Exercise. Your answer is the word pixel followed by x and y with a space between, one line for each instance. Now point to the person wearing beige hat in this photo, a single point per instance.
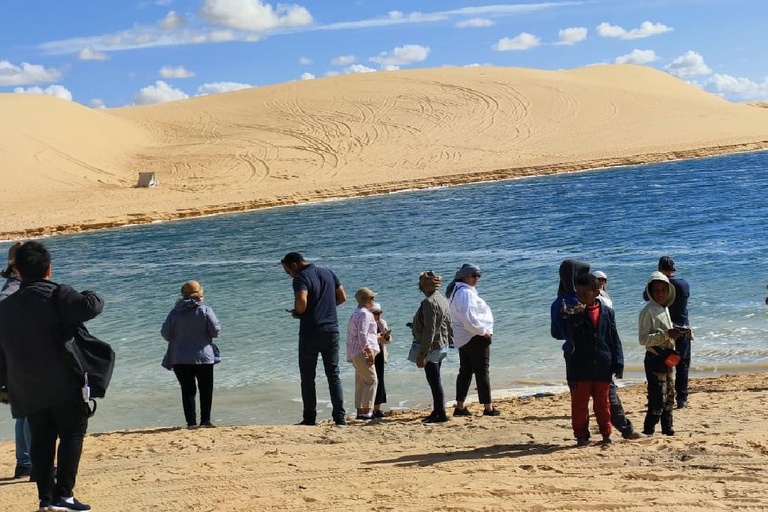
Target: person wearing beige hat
pixel 22 432
pixel 362 347
pixel 189 330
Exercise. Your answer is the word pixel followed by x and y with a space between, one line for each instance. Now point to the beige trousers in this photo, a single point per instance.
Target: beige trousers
pixel 365 382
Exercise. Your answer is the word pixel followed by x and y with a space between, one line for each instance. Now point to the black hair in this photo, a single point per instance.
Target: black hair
pixel 291 258
pixel 7 272
pixel 32 261
pixel 588 280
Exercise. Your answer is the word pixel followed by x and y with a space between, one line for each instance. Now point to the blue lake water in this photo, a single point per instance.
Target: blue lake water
pixel 710 214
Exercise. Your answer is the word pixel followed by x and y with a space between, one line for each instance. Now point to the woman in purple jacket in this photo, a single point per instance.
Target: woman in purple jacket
pixel 189 330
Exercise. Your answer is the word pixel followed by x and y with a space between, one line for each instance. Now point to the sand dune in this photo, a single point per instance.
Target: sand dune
pixel 73 168
pixel 522 460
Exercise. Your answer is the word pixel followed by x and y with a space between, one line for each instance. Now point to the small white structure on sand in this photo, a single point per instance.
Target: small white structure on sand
pixel 147 180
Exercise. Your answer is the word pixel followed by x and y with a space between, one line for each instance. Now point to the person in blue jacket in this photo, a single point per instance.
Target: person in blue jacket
pixel 189 330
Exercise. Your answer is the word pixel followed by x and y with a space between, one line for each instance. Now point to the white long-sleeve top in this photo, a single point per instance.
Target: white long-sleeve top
pixel 470 315
pixel 361 333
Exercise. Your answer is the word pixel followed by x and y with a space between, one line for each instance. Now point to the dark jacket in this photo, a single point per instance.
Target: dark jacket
pixel 189 330
pixel 32 363
pixel 566 292
pixel 10 287
pixel 597 353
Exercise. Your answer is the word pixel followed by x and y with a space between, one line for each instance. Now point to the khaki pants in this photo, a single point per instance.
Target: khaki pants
pixel 365 382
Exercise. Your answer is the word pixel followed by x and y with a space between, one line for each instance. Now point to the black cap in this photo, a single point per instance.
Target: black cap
pixel 666 263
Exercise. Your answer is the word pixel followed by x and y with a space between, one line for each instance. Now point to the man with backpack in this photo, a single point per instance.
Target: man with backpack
pixel 37 377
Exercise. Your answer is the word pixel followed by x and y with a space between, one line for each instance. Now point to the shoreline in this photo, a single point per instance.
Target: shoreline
pixel 383 188
pixel 525 459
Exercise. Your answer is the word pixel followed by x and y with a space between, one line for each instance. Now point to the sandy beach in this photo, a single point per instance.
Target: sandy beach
pixel 68 168
pixel 523 460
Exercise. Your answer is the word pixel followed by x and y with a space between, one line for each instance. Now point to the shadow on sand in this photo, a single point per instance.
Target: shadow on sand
pixel 488 452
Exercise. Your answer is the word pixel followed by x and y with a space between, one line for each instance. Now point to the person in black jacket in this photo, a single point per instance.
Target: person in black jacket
pixel 36 377
pixel 597 356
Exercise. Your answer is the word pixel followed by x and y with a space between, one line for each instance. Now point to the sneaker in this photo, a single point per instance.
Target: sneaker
pixel 461 412
pixel 633 435
pixel 22 471
pixel 378 414
pixel 307 423
pixel 607 440
pixel 436 418
pixel 45 505
pixel 68 505
pixel 682 405
pixel 207 424
pixel 582 441
pixel 342 423
pixel 492 412
pixel 365 417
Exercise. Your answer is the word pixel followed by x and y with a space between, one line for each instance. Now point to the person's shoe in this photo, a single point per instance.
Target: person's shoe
pixel 582 441
pixel 461 412
pixel 68 505
pixel 307 423
pixel 207 424
pixel 633 435
pixel 492 412
pixel 436 418
pixel 607 440
pixel 682 405
pixel 342 423
pixel 191 426
pixel 365 417
pixel 22 471
pixel 45 506
pixel 378 414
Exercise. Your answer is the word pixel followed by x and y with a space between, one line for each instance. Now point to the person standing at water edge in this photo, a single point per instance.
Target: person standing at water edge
pixel 362 348
pixel 678 310
pixel 34 322
pixel 602 278
pixel 317 293
pixel 431 327
pixel 384 334
pixel 657 335
pixel 597 357
pixel 189 330
pixel 23 434
pixel 472 324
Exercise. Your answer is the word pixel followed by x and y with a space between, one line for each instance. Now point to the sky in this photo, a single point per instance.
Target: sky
pixel 119 53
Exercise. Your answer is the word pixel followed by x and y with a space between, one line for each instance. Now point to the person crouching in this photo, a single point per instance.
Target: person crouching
pixel 597 356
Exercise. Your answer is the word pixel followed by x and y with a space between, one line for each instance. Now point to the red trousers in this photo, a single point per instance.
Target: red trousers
pixel 580 393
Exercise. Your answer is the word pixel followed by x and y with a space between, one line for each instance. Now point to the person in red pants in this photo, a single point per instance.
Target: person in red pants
pixel 597 357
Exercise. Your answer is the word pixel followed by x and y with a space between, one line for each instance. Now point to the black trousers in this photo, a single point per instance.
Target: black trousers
pixel 474 358
pixel 66 422
pixel 683 347
pixel 381 391
pixel 186 375
pixel 618 416
pixel 326 345
pixel 432 370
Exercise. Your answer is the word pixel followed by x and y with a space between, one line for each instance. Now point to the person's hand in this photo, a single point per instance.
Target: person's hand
pixel 371 357
pixel 674 333
pixel 421 361
pixel 293 313
pixel 487 335
pixel 619 375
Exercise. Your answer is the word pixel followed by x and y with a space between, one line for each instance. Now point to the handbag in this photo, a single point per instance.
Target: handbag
pixel 670 357
pixel 413 354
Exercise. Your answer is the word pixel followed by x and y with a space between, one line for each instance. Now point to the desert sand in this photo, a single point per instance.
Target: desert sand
pixel 68 168
pixel 522 460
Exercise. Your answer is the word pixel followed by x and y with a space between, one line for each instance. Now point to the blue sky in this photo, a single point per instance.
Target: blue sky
pixel 123 52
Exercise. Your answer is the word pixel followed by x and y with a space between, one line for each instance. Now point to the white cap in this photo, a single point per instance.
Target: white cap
pixel 376 308
pixel 600 274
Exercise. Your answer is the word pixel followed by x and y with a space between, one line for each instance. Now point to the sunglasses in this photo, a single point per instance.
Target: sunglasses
pixel 476 275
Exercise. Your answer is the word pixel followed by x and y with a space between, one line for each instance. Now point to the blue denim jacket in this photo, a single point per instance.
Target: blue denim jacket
pixel 189 330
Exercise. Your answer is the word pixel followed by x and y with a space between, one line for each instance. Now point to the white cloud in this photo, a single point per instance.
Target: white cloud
pixel 163 2
pixel 395 15
pixel 401 56
pixel 57 91
pixel 358 68
pixel 158 93
pixel 254 15
pixel 97 103
pixel 89 53
pixel 343 60
pixel 176 72
pixel 307 76
pixel 26 74
pixel 220 36
pixel 738 87
pixel 172 21
pixel 646 29
pixel 304 61
pixel 218 87
pixel 688 64
pixel 572 35
pixel 524 41
pixel 475 23
pixel 637 57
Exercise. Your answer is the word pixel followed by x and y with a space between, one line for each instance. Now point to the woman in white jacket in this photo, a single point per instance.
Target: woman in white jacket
pixel 472 324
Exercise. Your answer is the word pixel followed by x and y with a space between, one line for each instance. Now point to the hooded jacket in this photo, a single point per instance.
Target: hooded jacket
pixel 32 336
pixel 597 352
pixel 655 321
pixel 569 271
pixel 10 287
pixel 189 330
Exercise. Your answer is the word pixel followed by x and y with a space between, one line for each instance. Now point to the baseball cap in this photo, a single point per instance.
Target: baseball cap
pixel 600 274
